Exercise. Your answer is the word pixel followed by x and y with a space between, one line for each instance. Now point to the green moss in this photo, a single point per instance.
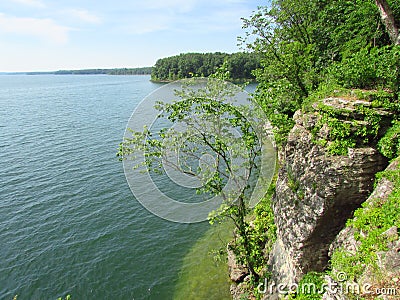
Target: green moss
pixel 344 131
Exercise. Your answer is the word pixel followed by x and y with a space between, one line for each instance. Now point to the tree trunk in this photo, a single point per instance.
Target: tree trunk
pixel 244 235
pixel 389 21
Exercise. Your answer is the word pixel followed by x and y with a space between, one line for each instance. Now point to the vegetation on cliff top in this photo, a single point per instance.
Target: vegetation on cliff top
pixel 312 45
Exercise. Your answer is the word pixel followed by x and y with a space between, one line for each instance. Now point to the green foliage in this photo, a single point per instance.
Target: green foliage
pixel 353 25
pixel 264 225
pixel 340 134
pixel 389 145
pixel 242 64
pixel 309 287
pixel 276 99
pixel 68 297
pixel 356 71
pixel 344 131
pixel 239 65
pixel 369 68
pixel 370 222
pixel 261 232
pixel 309 44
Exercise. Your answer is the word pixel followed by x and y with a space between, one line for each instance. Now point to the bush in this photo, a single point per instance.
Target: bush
pixel 389 145
pixel 310 287
pixel 369 68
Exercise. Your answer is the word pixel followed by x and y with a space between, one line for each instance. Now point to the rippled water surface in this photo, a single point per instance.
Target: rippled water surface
pixel 68 221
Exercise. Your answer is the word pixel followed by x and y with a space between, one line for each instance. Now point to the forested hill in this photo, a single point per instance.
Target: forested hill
pixel 240 65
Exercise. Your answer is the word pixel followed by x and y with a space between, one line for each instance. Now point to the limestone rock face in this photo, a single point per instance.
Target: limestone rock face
pixel 382 191
pixel 315 194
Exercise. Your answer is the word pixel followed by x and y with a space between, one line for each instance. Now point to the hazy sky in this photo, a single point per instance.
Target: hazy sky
pixel 44 35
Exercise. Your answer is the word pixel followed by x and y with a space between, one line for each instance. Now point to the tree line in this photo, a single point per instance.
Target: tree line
pixel 240 65
pixel 115 71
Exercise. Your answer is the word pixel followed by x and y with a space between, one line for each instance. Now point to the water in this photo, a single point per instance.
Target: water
pixel 69 223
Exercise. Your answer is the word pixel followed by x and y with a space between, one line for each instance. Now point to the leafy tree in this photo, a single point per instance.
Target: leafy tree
pixel 211 123
pixel 306 44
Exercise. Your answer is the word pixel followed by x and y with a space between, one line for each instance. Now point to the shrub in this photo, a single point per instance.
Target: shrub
pixel 369 68
pixel 389 145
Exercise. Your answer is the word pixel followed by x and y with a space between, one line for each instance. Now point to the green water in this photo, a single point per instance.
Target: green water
pixel 203 276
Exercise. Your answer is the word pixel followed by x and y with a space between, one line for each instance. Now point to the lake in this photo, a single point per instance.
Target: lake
pixel 69 222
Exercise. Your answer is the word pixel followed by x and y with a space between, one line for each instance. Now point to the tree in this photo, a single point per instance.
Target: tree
pixel 388 19
pixel 224 146
pixel 283 37
pixel 303 43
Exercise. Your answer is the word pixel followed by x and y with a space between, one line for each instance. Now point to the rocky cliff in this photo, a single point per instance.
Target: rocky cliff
pixel 316 191
pixel 327 170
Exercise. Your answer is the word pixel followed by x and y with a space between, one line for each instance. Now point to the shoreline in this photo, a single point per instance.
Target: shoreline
pixel 236 81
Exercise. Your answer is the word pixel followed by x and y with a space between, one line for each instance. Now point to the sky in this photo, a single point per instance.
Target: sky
pixel 50 35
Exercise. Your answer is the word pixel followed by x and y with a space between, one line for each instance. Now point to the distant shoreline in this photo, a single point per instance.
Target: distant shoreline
pixel 115 71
